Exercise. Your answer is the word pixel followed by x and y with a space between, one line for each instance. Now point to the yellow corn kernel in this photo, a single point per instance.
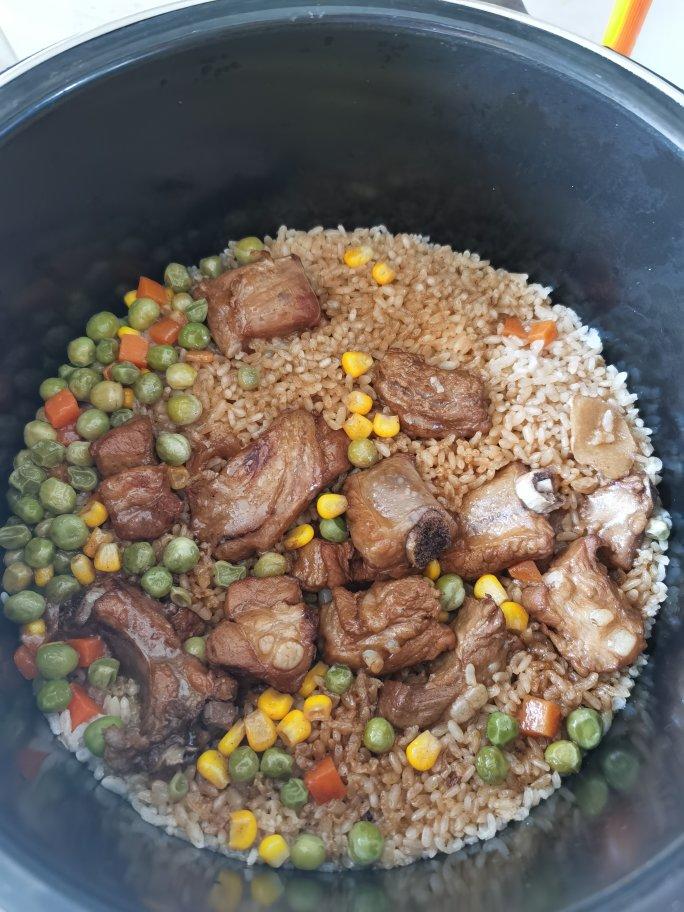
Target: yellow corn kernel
pixel 34 629
pixel 356 363
pixel 433 571
pixel 94 514
pixel 107 558
pixel 299 536
pixel 383 273
pixel 386 425
pixel 260 730
pixel 331 505
pixel 274 850
pixel 423 751
pixel 129 397
pixel 488 585
pixel 357 256
pixel 83 570
pixel 276 705
pixel 359 403
pixel 96 538
pixel 312 678
pixel 294 728
pixel 317 707
pixel 357 427
pixel 232 738
pixel 243 830
pixel 43 575
pixel 130 297
pixel 127 331
pixel 212 766
pixel 515 615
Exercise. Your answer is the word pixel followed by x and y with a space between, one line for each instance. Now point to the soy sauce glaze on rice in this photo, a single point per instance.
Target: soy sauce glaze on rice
pixel 336 550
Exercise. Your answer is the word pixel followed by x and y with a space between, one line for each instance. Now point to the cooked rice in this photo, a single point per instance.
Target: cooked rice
pixel 448 308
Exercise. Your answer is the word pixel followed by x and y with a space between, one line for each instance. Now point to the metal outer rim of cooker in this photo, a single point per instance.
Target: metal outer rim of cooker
pixel 652 884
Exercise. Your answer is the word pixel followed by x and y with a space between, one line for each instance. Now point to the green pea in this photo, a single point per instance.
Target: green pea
pixel 194 336
pixel 102 673
pixel 29 509
pixel 148 388
pixel 248 377
pixel 491 765
pixel 294 794
pixel 106 351
pixel 159 357
pixel 12 556
pixel 15 536
pixel 365 842
pixel 68 531
pixel 81 351
pixel 40 414
pixel 92 423
pixel 451 591
pixel 56 660
pixel 225 574
pixel 333 530
pixel 157 582
pixel 276 763
pixel 177 277
pixel 60 588
pixel 378 735
pixel 619 765
pixel 181 597
pixel 107 396
pixel 23 457
pixel 178 787
pixel 17 577
pixel 82 479
pixel 247 249
pixel 502 728
pixel 53 696
pixel 65 371
pixel 338 679
pixel 50 387
pixel 181 302
pixel 196 646
pixel 307 852
pixel 101 326
pixel 27 479
pixel 57 496
pixel 39 553
pixel 48 453
pixel 197 311
pixel 138 557
pixel 173 449
pixel 125 372
pixel 93 736
pixel 180 555
pixel 270 564
pixel 62 560
pixel 183 408
pixel 24 607
pixel 181 376
pixel 38 430
pixel 362 453
pixel 563 757
pixel 585 727
pixel 243 764
pixel 591 795
pixel 82 381
pixel 211 266
pixel 143 313
pixel 120 416
pixel 12 497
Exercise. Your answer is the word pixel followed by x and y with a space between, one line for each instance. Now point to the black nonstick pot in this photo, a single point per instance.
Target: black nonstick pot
pixel 162 139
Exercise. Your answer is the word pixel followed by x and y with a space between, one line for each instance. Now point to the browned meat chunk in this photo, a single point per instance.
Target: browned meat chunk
pixel 618 514
pixel 481 640
pixel 270 632
pixel 587 618
pixel 600 437
pixel 394 521
pixel 219 445
pixel 249 503
pixel 184 621
pixel 431 402
pixel 324 565
pixel 174 686
pixel 391 626
pixel 265 299
pixel 496 529
pixel 124 447
pixel 218 716
pixel 140 502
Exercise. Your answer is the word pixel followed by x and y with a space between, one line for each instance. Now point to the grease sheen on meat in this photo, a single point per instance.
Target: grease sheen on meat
pixel 124 447
pixel 323 564
pixel 618 514
pixel 390 626
pixel 262 300
pixel 256 496
pixel 269 633
pixel 430 401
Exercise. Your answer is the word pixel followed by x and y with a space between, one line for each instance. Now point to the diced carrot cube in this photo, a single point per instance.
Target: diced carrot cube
pixel 526 572
pixel 513 327
pixel 539 718
pixel 134 349
pixel 88 649
pixel 62 409
pixel 165 332
pixel 81 708
pixel 148 288
pixel 546 330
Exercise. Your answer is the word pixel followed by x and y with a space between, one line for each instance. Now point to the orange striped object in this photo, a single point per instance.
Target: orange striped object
pixel 625 23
